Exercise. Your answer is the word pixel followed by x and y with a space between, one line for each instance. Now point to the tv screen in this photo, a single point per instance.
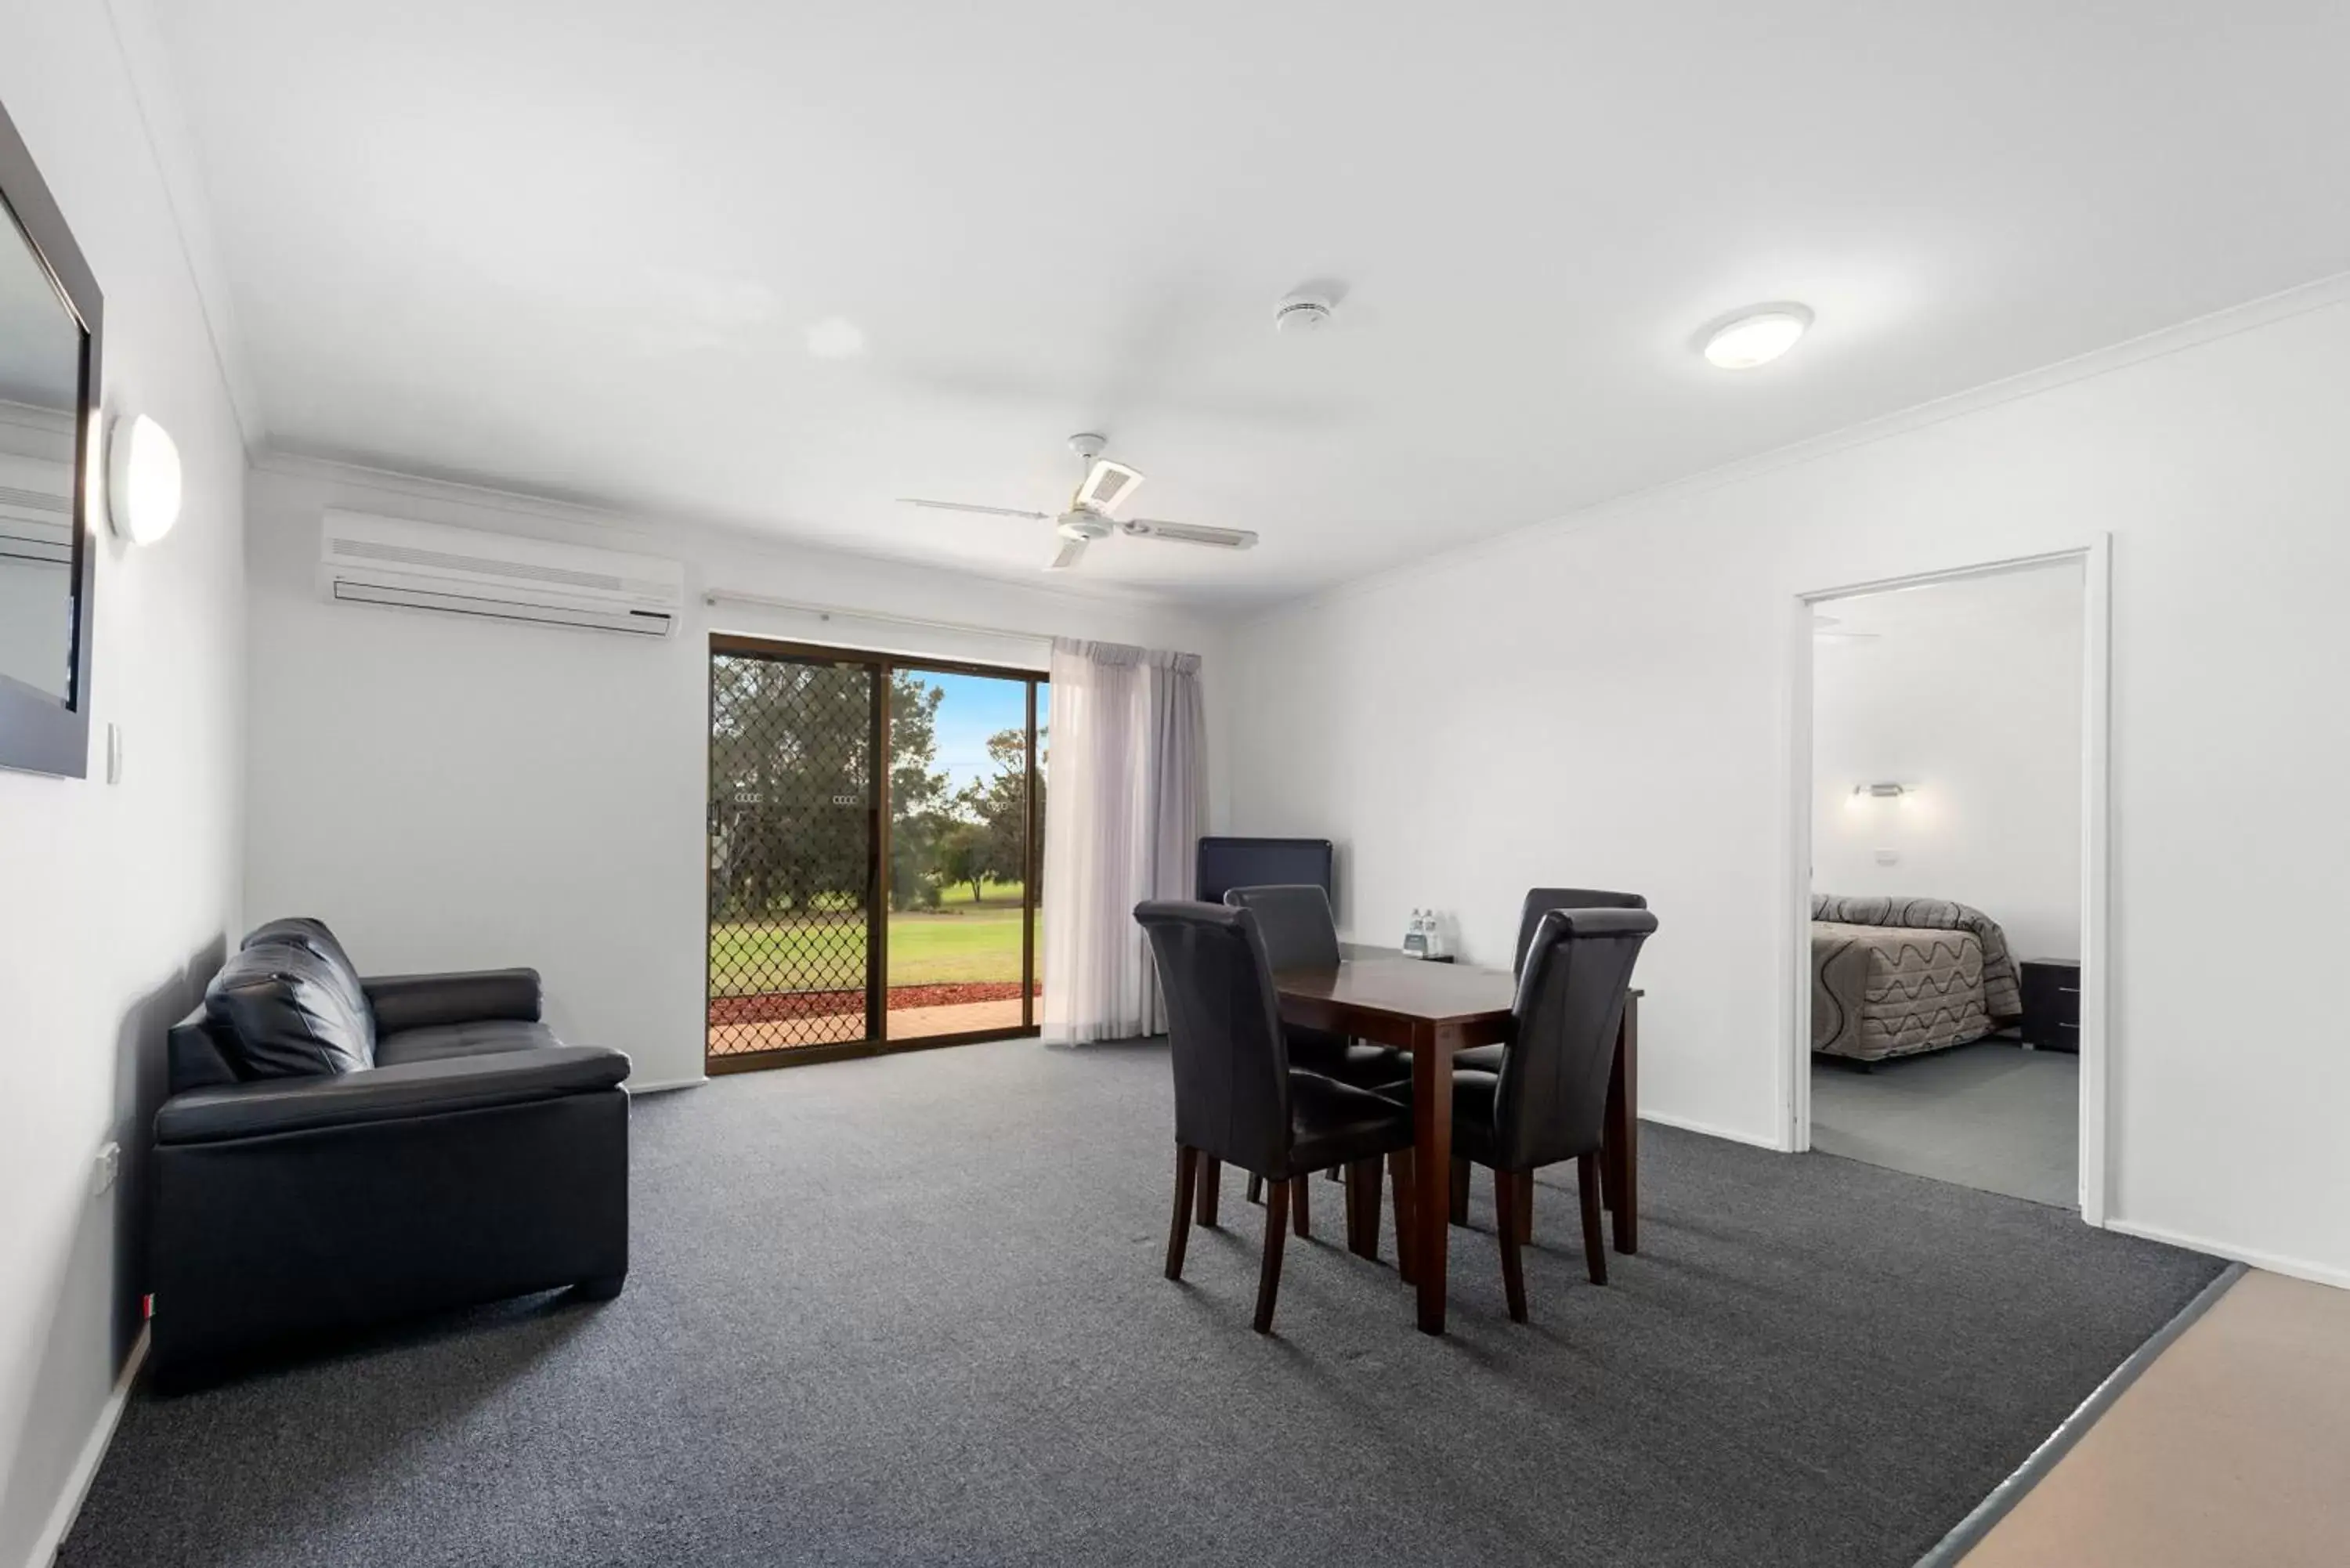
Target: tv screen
pixel 1227 863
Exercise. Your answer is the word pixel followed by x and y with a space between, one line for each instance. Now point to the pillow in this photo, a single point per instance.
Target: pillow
pixel 286 1014
pixel 312 936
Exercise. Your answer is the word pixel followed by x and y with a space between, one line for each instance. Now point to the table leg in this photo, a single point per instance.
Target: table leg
pixel 1431 1115
pixel 1619 1164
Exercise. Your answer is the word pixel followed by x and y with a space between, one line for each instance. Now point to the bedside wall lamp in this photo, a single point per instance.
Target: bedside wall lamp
pixel 1882 791
pixel 142 479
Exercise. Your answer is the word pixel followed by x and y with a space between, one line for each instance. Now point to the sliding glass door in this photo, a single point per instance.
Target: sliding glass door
pixel 855 909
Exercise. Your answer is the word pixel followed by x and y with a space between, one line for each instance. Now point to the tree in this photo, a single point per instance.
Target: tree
pixel 998 808
pixel 918 808
pixel 960 855
pixel 786 758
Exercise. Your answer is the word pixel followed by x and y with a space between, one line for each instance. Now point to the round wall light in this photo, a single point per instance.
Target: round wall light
pixel 1755 336
pixel 142 479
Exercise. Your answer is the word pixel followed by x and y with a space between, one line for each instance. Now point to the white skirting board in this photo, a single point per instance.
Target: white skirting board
pixel 2315 1274
pixel 93 1454
pixel 663 1086
pixel 1688 1124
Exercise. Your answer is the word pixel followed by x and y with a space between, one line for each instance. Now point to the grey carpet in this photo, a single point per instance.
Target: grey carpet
pixel 910 1310
pixel 1990 1114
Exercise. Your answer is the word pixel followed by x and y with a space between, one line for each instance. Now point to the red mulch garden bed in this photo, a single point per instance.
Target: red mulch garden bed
pixel 777 1006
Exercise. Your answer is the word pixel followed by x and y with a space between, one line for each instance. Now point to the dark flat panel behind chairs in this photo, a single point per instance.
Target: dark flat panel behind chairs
pixel 1238 1100
pixel 1224 863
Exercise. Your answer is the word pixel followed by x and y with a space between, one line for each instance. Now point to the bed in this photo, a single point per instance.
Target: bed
pixel 1896 977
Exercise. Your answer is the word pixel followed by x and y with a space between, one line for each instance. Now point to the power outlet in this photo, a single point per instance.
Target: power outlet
pixel 1888 857
pixel 107 1165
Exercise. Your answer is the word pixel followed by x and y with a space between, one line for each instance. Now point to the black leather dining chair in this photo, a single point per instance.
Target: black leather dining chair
pixel 1237 1098
pixel 1301 932
pixel 1541 901
pixel 1549 1101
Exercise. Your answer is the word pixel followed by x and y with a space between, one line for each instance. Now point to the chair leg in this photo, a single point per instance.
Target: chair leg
pixel 1212 1186
pixel 1299 1210
pixel 1586 1187
pixel 1363 1209
pixel 1256 1187
pixel 1525 1212
pixel 1187 1175
pixel 1276 1226
pixel 1402 1175
pixel 1507 1195
pixel 1459 1191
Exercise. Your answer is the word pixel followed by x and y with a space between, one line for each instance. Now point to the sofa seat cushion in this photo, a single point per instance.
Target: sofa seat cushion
pixel 444 1087
pixel 285 1011
pixel 437 1041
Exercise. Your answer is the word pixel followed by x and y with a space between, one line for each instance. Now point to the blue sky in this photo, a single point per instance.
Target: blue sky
pixel 975 707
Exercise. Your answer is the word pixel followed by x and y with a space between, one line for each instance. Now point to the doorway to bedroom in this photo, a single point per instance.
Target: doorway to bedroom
pixel 1949 889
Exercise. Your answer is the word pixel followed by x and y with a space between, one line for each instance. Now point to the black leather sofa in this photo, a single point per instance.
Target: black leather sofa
pixel 337 1152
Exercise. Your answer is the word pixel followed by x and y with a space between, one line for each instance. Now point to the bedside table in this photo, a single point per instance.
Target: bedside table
pixel 2051 1003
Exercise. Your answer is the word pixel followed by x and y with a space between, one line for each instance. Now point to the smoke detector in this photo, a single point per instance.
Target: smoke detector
pixel 1301 313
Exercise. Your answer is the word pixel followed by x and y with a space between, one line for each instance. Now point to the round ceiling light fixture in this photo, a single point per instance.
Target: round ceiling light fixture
pixel 142 479
pixel 1755 336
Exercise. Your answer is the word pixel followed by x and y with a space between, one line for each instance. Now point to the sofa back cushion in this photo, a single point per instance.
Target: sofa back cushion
pixel 285 1012
pixel 312 937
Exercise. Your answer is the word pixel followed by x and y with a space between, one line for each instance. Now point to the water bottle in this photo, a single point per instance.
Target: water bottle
pixel 1437 946
pixel 1415 936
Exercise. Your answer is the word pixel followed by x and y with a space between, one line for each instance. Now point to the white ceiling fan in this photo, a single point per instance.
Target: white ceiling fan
pixel 1092 511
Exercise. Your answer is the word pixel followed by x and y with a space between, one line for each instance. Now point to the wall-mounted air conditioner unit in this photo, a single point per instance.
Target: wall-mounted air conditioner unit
pixel 36 511
pixel 464 571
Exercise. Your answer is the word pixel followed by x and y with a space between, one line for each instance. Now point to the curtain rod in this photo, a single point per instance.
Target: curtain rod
pixel 829 612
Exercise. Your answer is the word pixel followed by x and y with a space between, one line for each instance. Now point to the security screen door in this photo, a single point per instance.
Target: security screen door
pixel 855 907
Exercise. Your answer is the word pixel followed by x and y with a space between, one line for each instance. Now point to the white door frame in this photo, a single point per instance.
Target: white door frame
pixel 2096 715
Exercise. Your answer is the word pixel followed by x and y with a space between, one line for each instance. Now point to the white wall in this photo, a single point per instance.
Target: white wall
pixel 114 901
pixel 455 793
pixel 1608 702
pixel 1967 694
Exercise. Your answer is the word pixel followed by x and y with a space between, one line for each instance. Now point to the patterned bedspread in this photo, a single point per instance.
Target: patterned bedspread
pixel 1892 976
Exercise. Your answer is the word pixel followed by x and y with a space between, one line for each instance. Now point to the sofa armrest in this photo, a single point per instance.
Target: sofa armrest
pixel 424 1000
pixel 437 1087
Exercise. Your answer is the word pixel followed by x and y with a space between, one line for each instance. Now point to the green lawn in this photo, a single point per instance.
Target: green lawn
pixel 959 941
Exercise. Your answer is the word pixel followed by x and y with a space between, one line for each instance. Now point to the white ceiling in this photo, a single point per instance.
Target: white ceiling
pixel 576 246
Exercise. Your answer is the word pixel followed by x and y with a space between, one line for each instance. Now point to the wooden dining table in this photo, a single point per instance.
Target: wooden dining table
pixel 1435 1010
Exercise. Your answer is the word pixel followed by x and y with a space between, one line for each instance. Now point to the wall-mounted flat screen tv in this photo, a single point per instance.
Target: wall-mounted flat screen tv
pixel 1263 862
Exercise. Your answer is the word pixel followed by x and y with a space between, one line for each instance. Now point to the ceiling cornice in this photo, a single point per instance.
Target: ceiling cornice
pixel 172 146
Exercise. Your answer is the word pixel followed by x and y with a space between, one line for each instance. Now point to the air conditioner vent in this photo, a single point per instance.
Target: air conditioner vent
pixel 465 571
pixel 36 501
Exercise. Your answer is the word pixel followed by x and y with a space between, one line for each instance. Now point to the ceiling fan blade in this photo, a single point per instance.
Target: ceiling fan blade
pixel 1189 533
pixel 1072 552
pixel 1107 484
pixel 967 506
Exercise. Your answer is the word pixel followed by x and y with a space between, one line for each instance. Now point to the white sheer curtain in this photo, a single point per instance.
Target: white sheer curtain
pixel 1122 824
